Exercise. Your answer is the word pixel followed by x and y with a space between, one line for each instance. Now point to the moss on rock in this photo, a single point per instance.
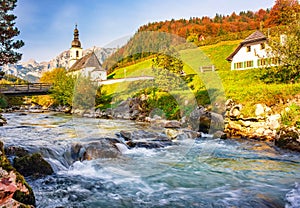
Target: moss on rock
pixel 33 165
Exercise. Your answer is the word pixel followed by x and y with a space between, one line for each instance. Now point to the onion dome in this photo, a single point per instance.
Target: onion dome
pixel 76 43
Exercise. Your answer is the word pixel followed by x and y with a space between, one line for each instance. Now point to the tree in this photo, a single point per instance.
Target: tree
pixel 283 12
pixel 7 32
pixel 167 68
pixel 62 90
pixel 286 50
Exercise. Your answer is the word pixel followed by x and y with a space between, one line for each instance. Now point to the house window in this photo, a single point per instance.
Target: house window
pixel 77 54
pixel 261 62
pixel 238 65
pixel 248 49
pixel 262 46
pixel 274 61
pixel 248 64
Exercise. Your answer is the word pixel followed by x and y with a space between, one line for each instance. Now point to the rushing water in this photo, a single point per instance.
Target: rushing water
pixel 192 173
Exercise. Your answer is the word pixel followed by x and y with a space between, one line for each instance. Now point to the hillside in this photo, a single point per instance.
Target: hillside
pixel 244 87
pixel 153 37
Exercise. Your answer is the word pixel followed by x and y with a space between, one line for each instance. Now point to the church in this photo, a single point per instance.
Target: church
pixel 87 65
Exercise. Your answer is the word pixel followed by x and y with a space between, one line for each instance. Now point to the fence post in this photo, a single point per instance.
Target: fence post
pixel 201 69
pixel 213 67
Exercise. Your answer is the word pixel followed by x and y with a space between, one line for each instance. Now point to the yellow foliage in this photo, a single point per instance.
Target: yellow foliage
pixel 50 76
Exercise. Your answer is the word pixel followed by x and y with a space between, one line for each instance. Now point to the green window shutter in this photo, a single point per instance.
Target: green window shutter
pixel 234 65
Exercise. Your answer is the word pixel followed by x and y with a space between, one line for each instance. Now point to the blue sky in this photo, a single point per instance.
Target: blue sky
pixel 47 25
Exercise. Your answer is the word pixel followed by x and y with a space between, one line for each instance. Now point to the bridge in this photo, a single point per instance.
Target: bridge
pixel 25 89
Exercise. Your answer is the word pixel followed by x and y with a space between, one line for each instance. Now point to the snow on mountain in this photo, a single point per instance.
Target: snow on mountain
pixel 32 70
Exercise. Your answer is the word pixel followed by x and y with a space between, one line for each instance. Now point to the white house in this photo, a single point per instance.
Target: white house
pixel 87 65
pixel 253 52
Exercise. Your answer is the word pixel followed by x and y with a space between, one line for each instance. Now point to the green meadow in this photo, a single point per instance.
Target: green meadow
pixel 244 87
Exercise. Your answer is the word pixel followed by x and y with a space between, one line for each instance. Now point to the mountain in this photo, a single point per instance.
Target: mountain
pixel 32 70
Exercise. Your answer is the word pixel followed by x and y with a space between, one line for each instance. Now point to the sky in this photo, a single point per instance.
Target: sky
pixel 47 26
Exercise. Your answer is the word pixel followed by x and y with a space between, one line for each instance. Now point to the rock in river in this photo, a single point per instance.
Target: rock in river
pixel 14 190
pixel 33 165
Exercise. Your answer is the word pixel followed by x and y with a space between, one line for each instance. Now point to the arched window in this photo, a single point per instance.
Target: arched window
pixel 77 54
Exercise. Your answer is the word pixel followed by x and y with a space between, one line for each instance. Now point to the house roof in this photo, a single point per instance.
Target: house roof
pixel 254 38
pixel 89 60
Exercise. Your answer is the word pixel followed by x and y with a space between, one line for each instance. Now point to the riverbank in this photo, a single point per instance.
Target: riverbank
pixel 265 125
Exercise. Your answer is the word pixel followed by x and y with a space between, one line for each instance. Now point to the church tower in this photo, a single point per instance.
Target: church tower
pixel 76 50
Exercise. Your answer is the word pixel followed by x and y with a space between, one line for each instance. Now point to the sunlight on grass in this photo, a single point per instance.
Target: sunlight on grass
pixel 244 87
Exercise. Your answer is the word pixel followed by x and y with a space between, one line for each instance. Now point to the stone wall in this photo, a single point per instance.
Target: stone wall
pixel 263 126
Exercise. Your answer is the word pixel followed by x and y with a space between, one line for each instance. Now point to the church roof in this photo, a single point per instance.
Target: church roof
pixel 255 38
pixel 88 61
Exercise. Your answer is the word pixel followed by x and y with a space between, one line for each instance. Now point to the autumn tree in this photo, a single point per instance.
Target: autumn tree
pixel 283 12
pixel 63 85
pixel 8 31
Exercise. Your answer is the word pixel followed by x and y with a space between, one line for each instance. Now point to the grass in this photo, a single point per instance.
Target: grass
pixel 133 70
pixel 244 87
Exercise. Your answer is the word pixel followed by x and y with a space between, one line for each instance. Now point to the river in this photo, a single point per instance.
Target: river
pixel 193 173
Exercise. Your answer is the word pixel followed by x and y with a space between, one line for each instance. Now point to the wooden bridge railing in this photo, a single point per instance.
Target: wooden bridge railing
pixel 30 88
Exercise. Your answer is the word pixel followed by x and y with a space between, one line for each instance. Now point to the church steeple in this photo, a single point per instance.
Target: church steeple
pixel 76 43
pixel 76 50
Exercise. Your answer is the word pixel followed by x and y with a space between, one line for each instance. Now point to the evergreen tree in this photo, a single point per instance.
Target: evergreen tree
pixel 7 33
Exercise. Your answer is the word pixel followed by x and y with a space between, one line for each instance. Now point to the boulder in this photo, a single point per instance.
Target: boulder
pixel 15 192
pixel 194 120
pixel 172 124
pixel 204 121
pixel 102 148
pixel 235 111
pixel 33 165
pixel 172 133
pixel 126 135
pixel 288 138
pixel 150 140
pixel 14 204
pixel 219 135
pixel 273 121
pixel 145 144
pixel 2 120
pixel 16 151
pixel 259 110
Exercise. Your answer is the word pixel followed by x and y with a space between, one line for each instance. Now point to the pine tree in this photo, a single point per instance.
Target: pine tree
pixel 8 31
